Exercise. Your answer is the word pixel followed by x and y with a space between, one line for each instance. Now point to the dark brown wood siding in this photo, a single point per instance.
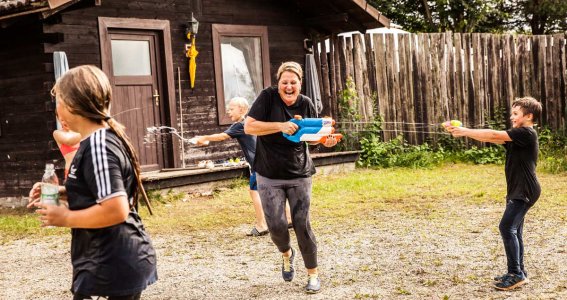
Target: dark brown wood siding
pixel 198 106
pixel 26 110
pixel 26 75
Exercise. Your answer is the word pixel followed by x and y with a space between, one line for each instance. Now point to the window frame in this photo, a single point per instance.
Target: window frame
pixel 224 30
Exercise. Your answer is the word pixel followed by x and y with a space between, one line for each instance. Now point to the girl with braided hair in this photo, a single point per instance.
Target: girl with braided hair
pixel 111 253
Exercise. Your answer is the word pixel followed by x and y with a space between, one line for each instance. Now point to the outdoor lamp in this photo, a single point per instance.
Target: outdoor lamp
pixel 192 27
pixel 190 49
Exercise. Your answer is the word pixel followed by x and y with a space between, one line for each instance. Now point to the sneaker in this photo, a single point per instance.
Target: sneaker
pixel 511 282
pixel 313 284
pixel 288 271
pixel 504 276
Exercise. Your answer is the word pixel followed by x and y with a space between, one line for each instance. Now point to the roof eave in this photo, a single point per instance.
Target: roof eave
pixel 373 12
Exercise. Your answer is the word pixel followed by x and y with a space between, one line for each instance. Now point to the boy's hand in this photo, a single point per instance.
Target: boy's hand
pixel 457 131
pixel 201 141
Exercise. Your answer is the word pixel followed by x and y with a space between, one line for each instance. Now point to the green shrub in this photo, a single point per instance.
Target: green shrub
pixel 396 153
pixel 352 125
pixel 553 151
pixel 487 155
pixel 399 153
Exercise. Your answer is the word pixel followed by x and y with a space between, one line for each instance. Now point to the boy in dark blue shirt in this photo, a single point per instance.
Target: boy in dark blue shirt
pixel 237 110
pixel 523 188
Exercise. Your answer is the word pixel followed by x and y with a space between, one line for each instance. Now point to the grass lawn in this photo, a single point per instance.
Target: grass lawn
pixel 383 234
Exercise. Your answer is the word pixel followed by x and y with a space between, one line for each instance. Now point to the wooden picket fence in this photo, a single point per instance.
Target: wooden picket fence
pixel 416 81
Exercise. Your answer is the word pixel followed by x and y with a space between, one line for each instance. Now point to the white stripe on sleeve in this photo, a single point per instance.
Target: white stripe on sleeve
pixel 100 163
pixel 106 173
pixel 93 155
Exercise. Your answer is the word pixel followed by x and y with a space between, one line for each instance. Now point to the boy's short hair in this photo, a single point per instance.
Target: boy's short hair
pixel 240 102
pixel 529 105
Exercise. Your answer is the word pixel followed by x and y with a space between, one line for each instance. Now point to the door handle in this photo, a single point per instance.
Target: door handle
pixel 156 97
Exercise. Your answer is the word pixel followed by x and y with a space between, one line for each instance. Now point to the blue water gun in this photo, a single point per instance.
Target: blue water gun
pixel 313 130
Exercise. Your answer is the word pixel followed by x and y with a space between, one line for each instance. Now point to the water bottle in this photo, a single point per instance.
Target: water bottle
pixel 50 186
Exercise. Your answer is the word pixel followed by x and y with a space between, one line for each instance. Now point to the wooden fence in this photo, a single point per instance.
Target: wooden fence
pixel 416 81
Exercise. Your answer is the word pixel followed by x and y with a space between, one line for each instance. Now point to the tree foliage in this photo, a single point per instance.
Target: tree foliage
pixel 534 16
pixel 540 16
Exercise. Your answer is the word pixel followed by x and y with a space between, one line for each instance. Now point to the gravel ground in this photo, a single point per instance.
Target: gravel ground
pixel 394 255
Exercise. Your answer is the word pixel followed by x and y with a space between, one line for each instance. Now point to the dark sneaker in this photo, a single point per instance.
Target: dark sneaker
pixel 288 270
pixel 313 284
pixel 503 277
pixel 511 282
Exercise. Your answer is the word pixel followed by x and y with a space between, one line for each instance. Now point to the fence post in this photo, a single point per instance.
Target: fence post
pixel 563 74
pixel 332 77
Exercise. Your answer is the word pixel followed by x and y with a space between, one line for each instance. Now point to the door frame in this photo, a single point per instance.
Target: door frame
pixel 172 155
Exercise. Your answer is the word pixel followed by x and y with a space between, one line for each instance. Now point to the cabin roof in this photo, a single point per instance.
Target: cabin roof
pixel 15 8
pixel 9 7
pixel 324 16
pixel 335 16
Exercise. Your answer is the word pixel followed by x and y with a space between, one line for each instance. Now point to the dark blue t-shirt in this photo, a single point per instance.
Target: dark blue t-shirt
pixel 247 142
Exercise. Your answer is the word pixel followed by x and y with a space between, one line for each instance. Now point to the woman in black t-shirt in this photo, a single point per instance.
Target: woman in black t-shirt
pixel 111 253
pixel 284 168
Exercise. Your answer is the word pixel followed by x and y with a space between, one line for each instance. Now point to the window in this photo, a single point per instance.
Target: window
pixel 130 58
pixel 242 64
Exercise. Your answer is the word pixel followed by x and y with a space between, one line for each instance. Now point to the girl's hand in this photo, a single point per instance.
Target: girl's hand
pixel 52 215
pixel 34 195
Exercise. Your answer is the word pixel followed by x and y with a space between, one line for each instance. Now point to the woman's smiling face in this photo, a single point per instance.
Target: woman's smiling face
pixel 289 87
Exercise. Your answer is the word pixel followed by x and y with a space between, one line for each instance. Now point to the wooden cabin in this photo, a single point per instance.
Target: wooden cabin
pixel 142 45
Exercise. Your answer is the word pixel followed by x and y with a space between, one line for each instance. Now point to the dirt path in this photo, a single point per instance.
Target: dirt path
pixel 392 256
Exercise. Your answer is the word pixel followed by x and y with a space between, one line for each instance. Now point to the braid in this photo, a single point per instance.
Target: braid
pixel 119 130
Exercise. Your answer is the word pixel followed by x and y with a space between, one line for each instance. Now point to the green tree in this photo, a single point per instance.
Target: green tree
pixel 531 16
pixel 540 16
pixel 446 15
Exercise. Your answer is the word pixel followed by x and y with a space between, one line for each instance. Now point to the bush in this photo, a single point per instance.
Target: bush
pixel 487 155
pixel 352 125
pixel 398 153
pixel 553 151
pixel 395 153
